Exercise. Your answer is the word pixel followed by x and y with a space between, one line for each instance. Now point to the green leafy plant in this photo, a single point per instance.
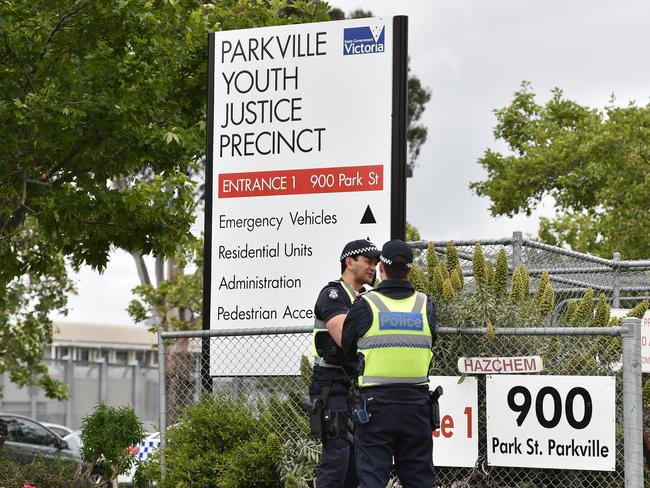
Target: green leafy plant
pixel 588 159
pixel 106 435
pixel 42 474
pixel 298 464
pixel 225 442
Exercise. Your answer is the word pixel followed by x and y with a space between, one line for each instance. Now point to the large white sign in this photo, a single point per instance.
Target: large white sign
pixel 645 336
pixel 565 422
pixel 456 442
pixel 301 163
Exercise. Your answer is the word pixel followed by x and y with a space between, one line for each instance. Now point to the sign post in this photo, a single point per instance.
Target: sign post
pixel 306 150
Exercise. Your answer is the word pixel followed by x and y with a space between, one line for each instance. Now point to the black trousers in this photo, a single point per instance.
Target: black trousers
pixel 402 432
pixel 337 467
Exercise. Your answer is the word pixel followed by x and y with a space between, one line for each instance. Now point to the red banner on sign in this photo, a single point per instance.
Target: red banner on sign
pixel 301 181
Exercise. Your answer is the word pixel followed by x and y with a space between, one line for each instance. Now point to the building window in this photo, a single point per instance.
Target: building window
pixel 103 355
pixel 83 355
pixel 62 352
pixel 121 357
pixel 141 358
pixel 154 357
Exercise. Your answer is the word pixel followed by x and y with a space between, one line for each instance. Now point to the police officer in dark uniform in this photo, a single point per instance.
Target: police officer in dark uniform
pixel 332 376
pixel 390 331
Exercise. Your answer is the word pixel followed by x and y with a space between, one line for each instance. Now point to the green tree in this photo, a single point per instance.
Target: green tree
pixel 106 435
pixel 102 110
pixel 25 325
pixel 100 115
pixel 594 163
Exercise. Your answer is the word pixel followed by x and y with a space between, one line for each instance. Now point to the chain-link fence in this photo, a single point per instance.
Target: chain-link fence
pixel 623 282
pixel 263 367
pixel 88 383
pixel 238 360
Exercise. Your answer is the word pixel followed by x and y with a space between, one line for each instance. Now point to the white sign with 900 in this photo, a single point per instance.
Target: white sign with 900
pixel 565 422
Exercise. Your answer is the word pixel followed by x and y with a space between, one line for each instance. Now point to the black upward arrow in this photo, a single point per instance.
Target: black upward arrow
pixel 368 217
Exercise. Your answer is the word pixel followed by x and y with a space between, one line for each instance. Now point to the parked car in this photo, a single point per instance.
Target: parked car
pixel 60 430
pixel 24 440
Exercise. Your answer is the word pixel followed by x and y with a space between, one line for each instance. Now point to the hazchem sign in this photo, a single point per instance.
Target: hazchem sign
pixel 301 154
pixel 455 443
pixel 481 365
pixel 564 422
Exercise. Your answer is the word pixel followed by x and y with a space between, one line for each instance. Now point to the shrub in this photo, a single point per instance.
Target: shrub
pixel 224 442
pixel 56 474
pixel 298 465
pixel 106 435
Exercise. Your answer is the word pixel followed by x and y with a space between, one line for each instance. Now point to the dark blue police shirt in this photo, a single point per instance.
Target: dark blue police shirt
pixel 358 322
pixel 332 300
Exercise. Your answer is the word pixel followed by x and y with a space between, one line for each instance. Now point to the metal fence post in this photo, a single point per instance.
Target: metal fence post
pixel 33 395
pixel 163 401
pixel 517 240
pixel 103 380
pixel 69 380
pixel 135 387
pixel 616 285
pixel 632 402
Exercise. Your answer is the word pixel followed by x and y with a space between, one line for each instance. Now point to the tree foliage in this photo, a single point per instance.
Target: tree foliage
pixel 25 325
pixel 225 442
pixel 102 111
pixel 106 435
pixel 594 163
pixel 93 93
pixel 175 303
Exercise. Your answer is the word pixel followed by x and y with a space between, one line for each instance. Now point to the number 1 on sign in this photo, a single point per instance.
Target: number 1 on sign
pixel 447 425
pixel 468 414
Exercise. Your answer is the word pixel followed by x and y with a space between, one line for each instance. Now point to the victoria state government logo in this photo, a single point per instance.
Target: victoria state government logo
pixel 363 40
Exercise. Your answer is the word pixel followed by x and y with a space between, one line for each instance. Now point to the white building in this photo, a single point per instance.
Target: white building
pixel 117 344
pixel 114 364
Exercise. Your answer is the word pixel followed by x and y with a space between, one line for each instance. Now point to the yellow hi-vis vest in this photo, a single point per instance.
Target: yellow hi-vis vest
pixel 319 325
pixel 397 347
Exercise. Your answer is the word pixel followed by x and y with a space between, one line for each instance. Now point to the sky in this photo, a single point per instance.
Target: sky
pixel 472 55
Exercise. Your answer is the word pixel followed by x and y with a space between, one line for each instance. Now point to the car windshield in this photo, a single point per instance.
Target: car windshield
pixel 74 440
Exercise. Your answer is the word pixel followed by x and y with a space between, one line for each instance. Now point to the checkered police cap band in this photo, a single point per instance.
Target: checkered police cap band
pixel 390 261
pixel 358 252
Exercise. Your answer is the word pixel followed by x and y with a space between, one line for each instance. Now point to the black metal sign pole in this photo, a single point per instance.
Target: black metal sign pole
pixel 398 146
pixel 206 378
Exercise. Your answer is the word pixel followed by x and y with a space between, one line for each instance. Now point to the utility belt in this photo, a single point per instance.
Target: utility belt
pixel 362 406
pixel 328 424
pixel 324 364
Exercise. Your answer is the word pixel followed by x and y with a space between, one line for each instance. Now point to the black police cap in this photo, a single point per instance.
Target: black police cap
pixel 395 248
pixel 360 247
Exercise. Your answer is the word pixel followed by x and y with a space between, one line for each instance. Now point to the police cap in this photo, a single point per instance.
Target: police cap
pixel 395 248
pixel 360 247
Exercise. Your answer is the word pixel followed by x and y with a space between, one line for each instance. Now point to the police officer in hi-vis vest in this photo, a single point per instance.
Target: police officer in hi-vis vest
pixel 332 377
pixel 390 332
